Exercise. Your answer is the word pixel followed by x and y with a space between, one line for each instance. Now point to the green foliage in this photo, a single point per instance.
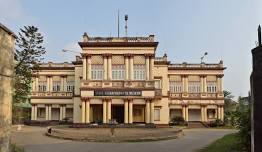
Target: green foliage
pixel 178 120
pixel 28 54
pixel 229 108
pixel 217 123
pixel 228 143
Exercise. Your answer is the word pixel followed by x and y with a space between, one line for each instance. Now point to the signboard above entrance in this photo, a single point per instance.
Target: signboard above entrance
pixel 117 93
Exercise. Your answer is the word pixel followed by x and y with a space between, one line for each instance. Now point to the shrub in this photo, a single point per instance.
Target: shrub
pixel 178 120
pixel 216 123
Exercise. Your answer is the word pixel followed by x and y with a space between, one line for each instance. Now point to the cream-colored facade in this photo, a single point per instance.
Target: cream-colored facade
pixel 120 79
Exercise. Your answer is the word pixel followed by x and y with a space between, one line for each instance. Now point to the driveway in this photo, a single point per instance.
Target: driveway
pixel 34 140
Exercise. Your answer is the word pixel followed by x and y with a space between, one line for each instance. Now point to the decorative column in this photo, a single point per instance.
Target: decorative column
pixel 61 113
pixel 64 112
pixel 126 111
pixel 87 111
pixel 84 66
pixel 147 111
pixel 109 67
pixel 108 110
pixel 83 111
pixel 104 111
pixel 126 66
pixel 147 66
pixel 36 83
pixel 51 84
pixel 33 112
pixel 88 67
pixel 186 84
pixel 218 112
pixel 48 83
pixel 201 83
pixel 35 115
pixel 152 112
pixel 130 102
pixel 205 84
pixel 62 83
pixel 105 67
pixel 151 67
pixel 222 113
pixel 50 112
pixel 219 84
pixel 65 83
pixel 46 112
pixel 202 113
pixel 131 62
pixel 205 114
pixel 186 111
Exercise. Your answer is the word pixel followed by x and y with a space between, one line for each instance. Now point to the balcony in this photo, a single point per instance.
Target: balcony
pixel 136 84
pixel 195 95
pixel 51 94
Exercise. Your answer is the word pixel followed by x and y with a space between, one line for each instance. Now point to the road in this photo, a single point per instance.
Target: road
pixel 34 140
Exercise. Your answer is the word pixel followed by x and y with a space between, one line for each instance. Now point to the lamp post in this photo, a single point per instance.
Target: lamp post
pixel 203 57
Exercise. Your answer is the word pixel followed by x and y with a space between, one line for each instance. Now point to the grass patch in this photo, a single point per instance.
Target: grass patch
pixel 228 143
pixel 14 148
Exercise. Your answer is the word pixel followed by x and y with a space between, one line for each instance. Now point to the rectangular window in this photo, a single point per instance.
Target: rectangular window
pixel 175 87
pixel 211 87
pixel 194 87
pixel 158 84
pixel 56 86
pixel 118 72
pixel 40 112
pixel 42 86
pixel 157 114
pixel 70 86
pixel 139 72
pixel 97 72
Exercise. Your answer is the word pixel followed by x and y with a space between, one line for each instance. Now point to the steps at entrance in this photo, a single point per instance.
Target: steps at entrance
pixel 196 124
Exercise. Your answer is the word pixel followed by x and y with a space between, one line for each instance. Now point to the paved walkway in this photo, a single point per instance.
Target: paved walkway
pixel 33 140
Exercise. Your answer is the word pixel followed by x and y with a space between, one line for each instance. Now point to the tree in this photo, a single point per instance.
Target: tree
pixel 28 54
pixel 230 107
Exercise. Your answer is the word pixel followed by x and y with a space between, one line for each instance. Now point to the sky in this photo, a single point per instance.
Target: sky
pixel 185 29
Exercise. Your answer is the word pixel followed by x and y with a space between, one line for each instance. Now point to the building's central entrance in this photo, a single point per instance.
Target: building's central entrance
pixel 118 113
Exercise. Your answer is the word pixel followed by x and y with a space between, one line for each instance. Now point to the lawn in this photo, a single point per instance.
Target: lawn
pixel 228 143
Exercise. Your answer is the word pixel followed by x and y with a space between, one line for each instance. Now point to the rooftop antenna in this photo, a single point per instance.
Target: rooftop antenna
pixel 126 18
pixel 117 23
pixel 259 35
pixel 203 57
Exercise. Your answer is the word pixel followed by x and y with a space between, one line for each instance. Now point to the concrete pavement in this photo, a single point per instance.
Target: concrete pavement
pixel 34 140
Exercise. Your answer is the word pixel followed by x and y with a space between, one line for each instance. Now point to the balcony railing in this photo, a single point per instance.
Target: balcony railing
pixel 52 94
pixel 195 95
pixel 118 84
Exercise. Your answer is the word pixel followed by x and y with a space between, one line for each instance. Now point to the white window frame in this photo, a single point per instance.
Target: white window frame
pixel 211 87
pixel 42 85
pixel 139 71
pixel 70 86
pixel 158 83
pixel 175 87
pixel 157 113
pixel 56 86
pixel 194 87
pixel 118 72
pixel 97 72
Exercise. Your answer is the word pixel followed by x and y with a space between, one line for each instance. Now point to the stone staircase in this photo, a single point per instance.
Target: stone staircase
pixel 197 124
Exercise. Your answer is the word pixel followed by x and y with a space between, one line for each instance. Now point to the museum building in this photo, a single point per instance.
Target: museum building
pixel 121 79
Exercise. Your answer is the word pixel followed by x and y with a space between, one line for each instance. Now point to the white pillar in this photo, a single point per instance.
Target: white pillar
pixel 186 84
pixel 64 112
pixel 50 112
pixel 147 67
pixel 36 84
pixel 104 111
pixel 205 113
pixel 87 111
pixel 109 67
pixel 152 60
pixel 84 67
pixel 51 84
pixel 62 83
pixel 202 113
pixel 205 84
pixel 202 84
pixel 35 112
pixel 131 62
pixel 222 113
pixel 126 111
pixel 126 68
pixel 105 68
pixel 89 67
pixel 46 112
pixel 186 111
pixel 61 113
pixel 147 111
pixel 130 111
pixel 83 111
pixel 152 111
pixel 48 84
pixel 108 110
pixel 218 112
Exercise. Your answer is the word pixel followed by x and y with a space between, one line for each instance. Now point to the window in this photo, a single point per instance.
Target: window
pixel 211 87
pixel 97 72
pixel 41 112
pixel 56 86
pixel 118 72
pixel 70 86
pixel 42 86
pixel 139 72
pixel 194 87
pixel 157 114
pixel 175 87
pixel 158 84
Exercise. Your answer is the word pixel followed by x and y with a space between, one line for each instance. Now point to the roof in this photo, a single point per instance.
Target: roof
pixel 7 30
